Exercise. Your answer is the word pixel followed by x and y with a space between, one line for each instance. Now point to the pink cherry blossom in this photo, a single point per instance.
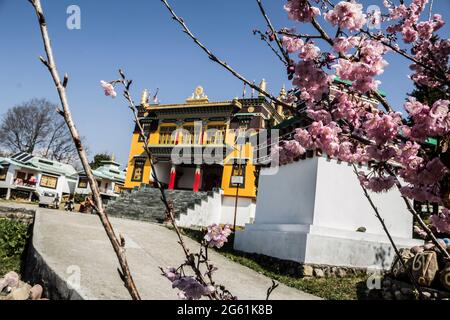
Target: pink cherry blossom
pixel 292 44
pixel 191 289
pixel 421 233
pixel 301 11
pixel 382 128
pixel 347 15
pixel 421 194
pixel 304 138
pixel 108 88
pixel 293 149
pixel 343 44
pixel 313 81
pixel 217 236
pixel 441 221
pixel 376 183
pixel 309 52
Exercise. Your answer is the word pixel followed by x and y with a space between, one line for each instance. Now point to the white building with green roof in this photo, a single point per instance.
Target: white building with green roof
pixel 110 180
pixel 26 176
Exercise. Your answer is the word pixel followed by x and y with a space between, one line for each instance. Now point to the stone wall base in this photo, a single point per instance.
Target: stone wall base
pixel 316 245
pixel 398 290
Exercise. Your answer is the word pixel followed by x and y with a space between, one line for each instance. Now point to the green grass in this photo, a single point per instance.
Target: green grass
pixel 13 238
pixel 351 287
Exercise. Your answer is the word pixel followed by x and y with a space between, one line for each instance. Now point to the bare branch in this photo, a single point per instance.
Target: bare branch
pixel 223 63
pixel 51 65
pixel 274 33
pixel 417 216
pixel 397 252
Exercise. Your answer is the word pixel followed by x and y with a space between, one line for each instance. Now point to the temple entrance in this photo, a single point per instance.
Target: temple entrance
pixel 212 177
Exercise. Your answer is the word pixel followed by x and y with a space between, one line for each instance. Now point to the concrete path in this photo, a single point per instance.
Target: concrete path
pixel 71 241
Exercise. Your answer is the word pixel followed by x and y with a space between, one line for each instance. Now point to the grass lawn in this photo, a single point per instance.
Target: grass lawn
pixel 13 237
pixel 351 287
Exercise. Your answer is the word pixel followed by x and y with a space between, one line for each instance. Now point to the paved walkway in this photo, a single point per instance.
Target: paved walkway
pixel 65 240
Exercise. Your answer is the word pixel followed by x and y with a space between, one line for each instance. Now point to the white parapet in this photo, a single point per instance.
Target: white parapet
pixel 310 211
pixel 219 209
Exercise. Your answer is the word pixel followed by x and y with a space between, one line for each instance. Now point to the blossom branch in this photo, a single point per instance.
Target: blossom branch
pixel 274 33
pixel 118 245
pixel 383 224
pixel 267 41
pixel 416 215
pixel 223 63
pixel 298 35
pixel 190 259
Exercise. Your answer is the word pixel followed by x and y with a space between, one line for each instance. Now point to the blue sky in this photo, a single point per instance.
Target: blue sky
pixel 140 37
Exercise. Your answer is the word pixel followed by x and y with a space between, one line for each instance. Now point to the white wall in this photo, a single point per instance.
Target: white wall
pixel 309 212
pixel 245 211
pixel 341 204
pixel 289 195
pixel 218 209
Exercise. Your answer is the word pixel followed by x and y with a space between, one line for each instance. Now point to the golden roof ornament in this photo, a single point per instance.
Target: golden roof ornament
pixel 263 87
pixel 144 97
pixel 198 96
pixel 283 92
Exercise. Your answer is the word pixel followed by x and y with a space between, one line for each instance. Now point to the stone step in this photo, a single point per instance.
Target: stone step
pixel 146 204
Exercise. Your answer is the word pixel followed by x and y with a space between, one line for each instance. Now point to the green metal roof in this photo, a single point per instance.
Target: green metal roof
pixel 110 170
pixel 28 161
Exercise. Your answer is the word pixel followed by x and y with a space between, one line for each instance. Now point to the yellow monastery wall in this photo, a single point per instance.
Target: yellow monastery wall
pixel 136 148
pixel 249 189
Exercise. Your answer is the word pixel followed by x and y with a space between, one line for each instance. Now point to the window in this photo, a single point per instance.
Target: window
pixel 83 183
pixel 3 173
pixel 215 135
pixel 238 176
pixel 138 170
pixel 118 188
pixel 190 136
pixel 49 182
pixel 165 135
pixel 146 127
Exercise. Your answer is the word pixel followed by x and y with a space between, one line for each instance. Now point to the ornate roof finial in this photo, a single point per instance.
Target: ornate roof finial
pixel 263 87
pixel 283 91
pixel 144 97
pixel 198 95
pixel 113 157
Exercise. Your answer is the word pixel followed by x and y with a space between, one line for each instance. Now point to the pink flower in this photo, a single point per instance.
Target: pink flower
pixel 343 44
pixel 427 122
pixel 313 81
pixel 309 52
pixel 326 137
pixel 408 33
pixel 320 115
pixel 304 138
pixel 441 221
pixel 293 150
pixel 421 194
pixel 376 183
pixel 172 274
pixel 422 234
pixel 300 10
pixel 191 289
pixel 108 88
pixel 347 15
pixel 382 128
pixel 292 44
pixel 217 236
